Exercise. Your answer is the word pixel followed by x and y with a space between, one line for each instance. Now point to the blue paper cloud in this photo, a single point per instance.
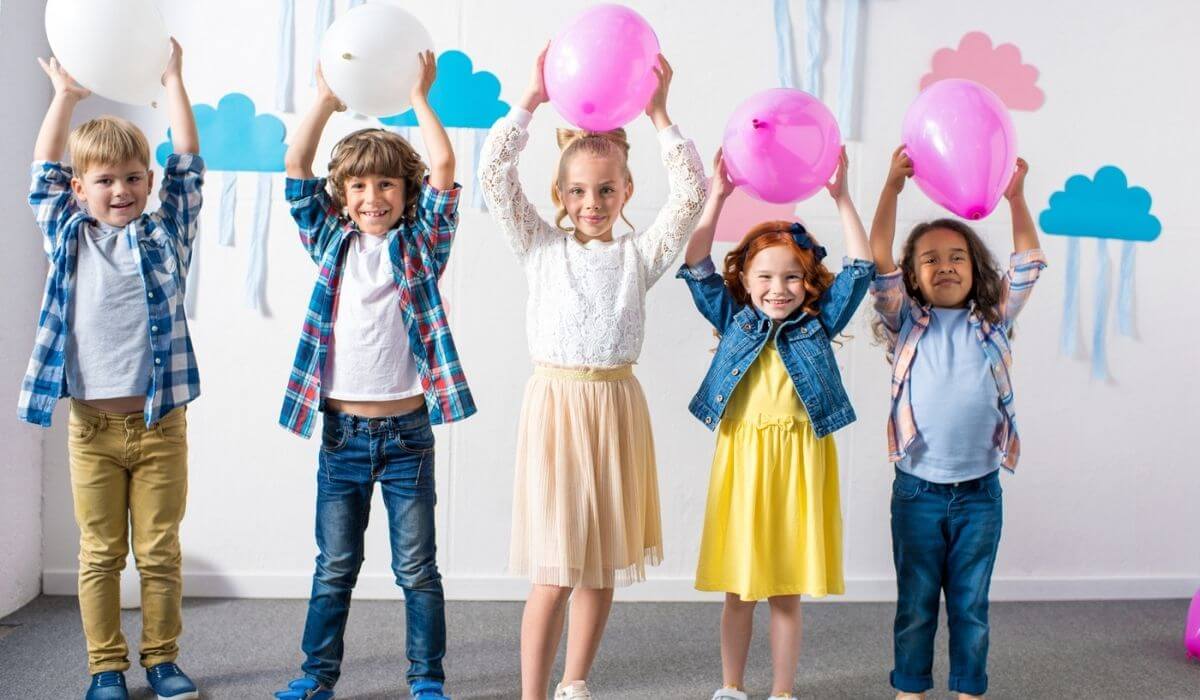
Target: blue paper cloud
pixel 1103 207
pixel 460 97
pixel 234 139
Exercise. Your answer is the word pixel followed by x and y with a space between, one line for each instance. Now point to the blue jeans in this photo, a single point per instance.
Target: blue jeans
pixel 944 538
pixel 356 452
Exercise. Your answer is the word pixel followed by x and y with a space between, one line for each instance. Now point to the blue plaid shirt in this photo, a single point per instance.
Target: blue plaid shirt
pixel 163 252
pixel 419 253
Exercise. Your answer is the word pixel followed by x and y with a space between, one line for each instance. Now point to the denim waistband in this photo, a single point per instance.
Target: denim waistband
pixel 382 424
pixel 957 486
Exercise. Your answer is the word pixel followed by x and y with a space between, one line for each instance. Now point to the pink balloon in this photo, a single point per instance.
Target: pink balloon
pixel 782 145
pixel 962 145
pixel 599 71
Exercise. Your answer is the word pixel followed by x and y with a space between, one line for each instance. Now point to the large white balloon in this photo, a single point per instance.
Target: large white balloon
pixel 369 58
pixel 116 48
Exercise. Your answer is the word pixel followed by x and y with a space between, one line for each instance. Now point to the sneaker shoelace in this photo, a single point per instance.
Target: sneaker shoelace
pixel 108 678
pixel 162 671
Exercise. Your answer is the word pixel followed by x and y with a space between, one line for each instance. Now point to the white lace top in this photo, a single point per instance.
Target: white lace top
pixel 587 302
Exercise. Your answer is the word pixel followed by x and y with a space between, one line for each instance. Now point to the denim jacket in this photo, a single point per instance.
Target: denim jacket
pixel 803 342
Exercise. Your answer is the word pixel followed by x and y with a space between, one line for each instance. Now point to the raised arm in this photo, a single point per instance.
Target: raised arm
pixel 883 226
pixel 183 175
pixel 300 154
pixel 56 126
pixel 700 245
pixel 857 247
pixel 441 153
pixel 179 109
pixel 1025 235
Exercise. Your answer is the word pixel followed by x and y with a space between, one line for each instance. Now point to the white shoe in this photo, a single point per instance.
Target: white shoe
pixel 729 694
pixel 575 690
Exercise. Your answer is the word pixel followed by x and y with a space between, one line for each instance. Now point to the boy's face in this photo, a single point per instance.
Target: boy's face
pixel 943 266
pixel 375 203
pixel 115 193
pixel 775 282
pixel 594 192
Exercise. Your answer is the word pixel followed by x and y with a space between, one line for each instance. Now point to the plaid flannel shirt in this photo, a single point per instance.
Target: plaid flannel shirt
pixel 419 252
pixel 904 322
pixel 163 253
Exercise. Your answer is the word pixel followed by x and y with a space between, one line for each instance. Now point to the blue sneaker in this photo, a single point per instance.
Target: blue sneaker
pixel 170 683
pixel 305 689
pixel 427 690
pixel 107 685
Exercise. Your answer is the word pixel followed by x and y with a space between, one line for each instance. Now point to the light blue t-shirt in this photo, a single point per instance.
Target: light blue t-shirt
pixel 955 403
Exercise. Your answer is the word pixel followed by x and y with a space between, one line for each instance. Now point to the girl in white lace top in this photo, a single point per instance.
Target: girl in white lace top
pixel 585 506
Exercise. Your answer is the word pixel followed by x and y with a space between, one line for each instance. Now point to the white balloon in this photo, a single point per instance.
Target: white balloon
pixel 116 48
pixel 369 58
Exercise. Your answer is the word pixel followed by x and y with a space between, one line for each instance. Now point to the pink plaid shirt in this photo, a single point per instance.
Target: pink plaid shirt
pixel 904 322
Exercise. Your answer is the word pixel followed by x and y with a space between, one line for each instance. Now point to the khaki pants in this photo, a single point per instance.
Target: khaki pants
pixel 124 473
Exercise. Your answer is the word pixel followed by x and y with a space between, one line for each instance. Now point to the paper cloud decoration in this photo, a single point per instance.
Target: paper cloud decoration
pixel 1101 207
pixel 460 96
pixel 998 68
pixel 234 139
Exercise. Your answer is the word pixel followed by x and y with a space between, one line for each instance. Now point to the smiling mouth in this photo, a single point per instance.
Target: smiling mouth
pixel 373 214
pixel 941 283
pixel 122 205
pixel 593 219
pixel 778 302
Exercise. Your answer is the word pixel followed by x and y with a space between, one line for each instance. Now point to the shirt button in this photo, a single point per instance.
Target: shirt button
pixel 736 371
pixel 720 398
pixel 158 360
pixel 153 329
pixel 708 419
pixel 150 294
pixel 746 327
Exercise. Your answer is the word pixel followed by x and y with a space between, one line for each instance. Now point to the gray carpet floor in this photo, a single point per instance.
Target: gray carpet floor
pixel 248 648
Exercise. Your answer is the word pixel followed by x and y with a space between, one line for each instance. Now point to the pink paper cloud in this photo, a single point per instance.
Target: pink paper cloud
pixel 999 68
pixel 743 212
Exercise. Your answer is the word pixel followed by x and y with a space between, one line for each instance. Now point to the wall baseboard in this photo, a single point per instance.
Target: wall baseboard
pixel 382 587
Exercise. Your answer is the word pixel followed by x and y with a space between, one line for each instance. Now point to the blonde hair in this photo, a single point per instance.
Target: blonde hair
pixel 603 144
pixel 106 141
pixel 380 153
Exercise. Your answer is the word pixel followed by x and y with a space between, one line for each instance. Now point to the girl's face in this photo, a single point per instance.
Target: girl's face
pixel 775 282
pixel 374 203
pixel 943 268
pixel 594 192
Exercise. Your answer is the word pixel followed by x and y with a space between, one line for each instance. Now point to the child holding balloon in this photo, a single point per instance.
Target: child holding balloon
pixel 377 354
pixel 113 336
pixel 772 527
pixel 585 510
pixel 945 315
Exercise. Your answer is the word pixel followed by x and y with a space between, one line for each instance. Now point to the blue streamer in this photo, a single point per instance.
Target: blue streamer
pixel 324 19
pixel 228 209
pixel 356 3
pixel 1070 322
pixel 193 276
pixel 1099 348
pixel 285 69
pixel 814 38
pixel 848 85
pixel 1125 291
pixel 477 191
pixel 784 56
pixel 256 272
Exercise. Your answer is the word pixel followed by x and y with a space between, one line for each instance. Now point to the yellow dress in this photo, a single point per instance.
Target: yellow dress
pixel 773 524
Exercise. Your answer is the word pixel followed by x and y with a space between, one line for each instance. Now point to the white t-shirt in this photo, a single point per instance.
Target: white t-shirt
pixel 369 358
pixel 108 352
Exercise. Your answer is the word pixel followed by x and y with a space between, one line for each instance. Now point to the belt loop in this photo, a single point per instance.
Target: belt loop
pixel 103 420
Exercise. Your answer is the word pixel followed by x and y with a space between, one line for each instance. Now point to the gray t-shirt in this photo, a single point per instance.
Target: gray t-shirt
pixel 108 352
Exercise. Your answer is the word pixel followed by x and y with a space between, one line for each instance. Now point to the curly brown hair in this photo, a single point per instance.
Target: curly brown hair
pixel 381 153
pixel 817 277
pixel 603 144
pixel 987 280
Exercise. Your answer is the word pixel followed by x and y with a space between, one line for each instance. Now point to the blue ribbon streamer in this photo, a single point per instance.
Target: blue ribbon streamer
pixel 228 209
pixel 848 86
pixel 324 19
pixel 814 38
pixel 1099 348
pixel 784 56
pixel 285 69
pixel 256 272
pixel 1070 322
pixel 1125 290
pixel 477 151
pixel 190 282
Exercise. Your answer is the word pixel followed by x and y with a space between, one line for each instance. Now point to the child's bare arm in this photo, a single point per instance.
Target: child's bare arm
pixel 700 245
pixel 883 226
pixel 179 109
pixel 1025 235
pixel 300 154
pixel 56 126
pixel 441 153
pixel 857 247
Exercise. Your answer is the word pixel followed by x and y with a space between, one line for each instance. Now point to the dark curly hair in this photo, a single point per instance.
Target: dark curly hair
pixel 381 153
pixel 817 278
pixel 986 278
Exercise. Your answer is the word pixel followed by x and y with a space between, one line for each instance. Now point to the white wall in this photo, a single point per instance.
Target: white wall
pixel 1106 486
pixel 25 94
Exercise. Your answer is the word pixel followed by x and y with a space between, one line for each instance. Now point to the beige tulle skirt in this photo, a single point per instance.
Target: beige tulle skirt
pixel 585 496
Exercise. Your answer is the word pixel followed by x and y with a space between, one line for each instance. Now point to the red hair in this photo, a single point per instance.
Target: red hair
pixel 817 278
